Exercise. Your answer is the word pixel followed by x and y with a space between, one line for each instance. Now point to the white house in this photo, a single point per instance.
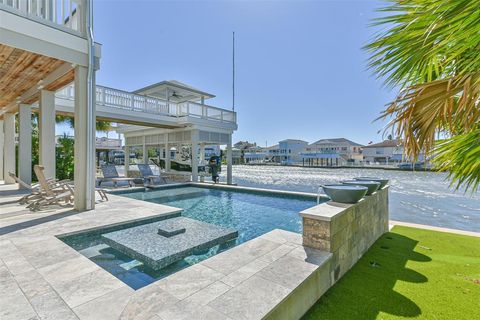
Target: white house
pixel 383 152
pixel 332 152
pixel 170 115
pixel 44 46
pixel 48 62
pixel 289 151
pixel 262 155
pixel 388 151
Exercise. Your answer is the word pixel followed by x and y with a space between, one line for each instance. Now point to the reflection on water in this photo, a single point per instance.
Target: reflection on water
pixel 418 197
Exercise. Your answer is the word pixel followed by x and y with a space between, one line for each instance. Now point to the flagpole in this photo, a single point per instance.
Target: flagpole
pixel 233 71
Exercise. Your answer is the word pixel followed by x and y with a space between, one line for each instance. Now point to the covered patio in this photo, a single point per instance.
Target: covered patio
pixel 40 54
pixel 186 146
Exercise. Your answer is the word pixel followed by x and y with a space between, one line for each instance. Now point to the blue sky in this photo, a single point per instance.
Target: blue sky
pixel 301 72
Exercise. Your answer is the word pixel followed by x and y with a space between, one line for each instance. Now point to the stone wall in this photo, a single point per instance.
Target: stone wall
pixel 346 230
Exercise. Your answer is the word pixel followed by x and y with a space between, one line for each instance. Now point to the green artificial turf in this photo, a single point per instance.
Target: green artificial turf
pixel 409 273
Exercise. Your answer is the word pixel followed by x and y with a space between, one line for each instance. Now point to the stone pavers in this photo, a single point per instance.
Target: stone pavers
pixel 43 278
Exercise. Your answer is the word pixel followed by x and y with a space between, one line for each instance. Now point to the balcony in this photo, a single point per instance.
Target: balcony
pixel 116 105
pixel 65 15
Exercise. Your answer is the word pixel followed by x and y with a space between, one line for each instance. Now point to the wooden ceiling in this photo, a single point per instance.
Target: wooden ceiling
pixel 21 70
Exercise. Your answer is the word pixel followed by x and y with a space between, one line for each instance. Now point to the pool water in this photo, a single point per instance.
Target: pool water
pixel 251 214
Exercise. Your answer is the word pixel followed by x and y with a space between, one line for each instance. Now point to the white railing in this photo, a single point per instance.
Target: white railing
pixel 123 100
pixel 68 15
pixel 108 143
pixel 204 111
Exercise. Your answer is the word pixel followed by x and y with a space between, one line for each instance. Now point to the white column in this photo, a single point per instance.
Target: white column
pixel 202 153
pixel 46 130
pixel 127 160
pixel 195 155
pixel 9 146
pixel 1 149
pixel 229 160
pixel 167 153
pixel 202 159
pixel 145 151
pixel 25 143
pixel 84 143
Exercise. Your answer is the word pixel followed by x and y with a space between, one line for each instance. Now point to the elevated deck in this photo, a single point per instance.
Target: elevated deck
pixel 40 43
pixel 122 106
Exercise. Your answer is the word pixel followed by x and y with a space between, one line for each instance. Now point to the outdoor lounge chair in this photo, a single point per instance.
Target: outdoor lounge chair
pixel 35 191
pixel 59 193
pixel 148 176
pixel 110 174
pixel 53 192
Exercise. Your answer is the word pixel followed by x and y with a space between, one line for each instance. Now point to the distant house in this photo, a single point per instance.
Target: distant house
pixel 243 147
pixel 383 152
pixel 237 156
pixel 262 155
pixel 273 153
pixel 332 152
pixel 388 151
pixel 289 151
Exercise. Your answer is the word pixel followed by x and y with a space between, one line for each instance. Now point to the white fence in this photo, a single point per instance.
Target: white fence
pixel 68 15
pixel 123 100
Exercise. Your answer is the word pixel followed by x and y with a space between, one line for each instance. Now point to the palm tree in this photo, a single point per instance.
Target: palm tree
pixel 430 49
pixel 101 126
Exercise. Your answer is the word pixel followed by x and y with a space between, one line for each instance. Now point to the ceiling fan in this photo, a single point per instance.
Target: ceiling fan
pixel 175 95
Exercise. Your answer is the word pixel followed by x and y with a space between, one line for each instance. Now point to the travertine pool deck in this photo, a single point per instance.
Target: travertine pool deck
pixel 43 278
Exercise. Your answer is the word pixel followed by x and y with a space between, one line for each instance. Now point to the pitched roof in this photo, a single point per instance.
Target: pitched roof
pixel 337 141
pixel 272 147
pixel 294 140
pixel 385 144
pixel 159 89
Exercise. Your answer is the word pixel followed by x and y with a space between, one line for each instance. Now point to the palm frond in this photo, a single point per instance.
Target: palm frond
pixel 426 40
pixel 431 50
pixel 451 105
pixel 460 156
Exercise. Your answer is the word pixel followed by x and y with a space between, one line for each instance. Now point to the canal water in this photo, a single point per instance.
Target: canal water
pixel 418 197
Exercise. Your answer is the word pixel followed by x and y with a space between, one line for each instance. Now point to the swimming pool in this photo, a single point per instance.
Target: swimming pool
pixel 250 213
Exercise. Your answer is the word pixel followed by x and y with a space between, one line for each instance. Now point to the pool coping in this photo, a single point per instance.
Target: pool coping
pixel 257 190
pixel 220 186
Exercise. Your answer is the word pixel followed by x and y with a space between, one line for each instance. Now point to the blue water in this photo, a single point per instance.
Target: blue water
pixel 251 214
pixel 418 197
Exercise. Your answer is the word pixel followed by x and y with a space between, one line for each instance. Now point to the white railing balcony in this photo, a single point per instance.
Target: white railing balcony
pixel 66 15
pixel 204 111
pixel 108 143
pixel 123 100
